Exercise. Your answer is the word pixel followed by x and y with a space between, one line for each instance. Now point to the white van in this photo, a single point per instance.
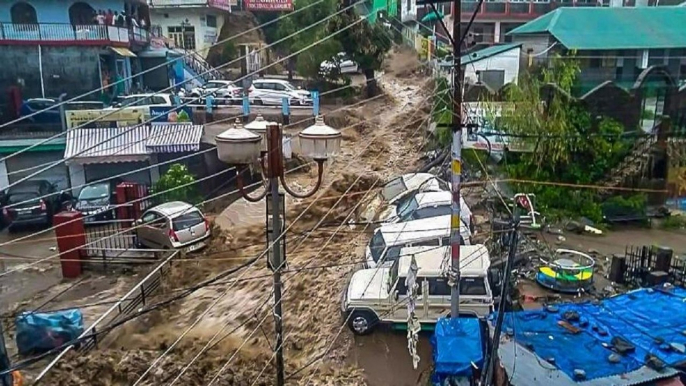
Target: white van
pixel 424 205
pixel 379 295
pixel 385 245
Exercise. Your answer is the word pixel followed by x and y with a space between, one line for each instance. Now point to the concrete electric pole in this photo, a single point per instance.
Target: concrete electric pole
pixel 456 164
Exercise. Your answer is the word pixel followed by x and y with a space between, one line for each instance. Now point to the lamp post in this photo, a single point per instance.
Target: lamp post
pixel 242 147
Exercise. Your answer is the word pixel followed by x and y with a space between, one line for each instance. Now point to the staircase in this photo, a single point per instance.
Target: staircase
pixel 636 163
pixel 199 68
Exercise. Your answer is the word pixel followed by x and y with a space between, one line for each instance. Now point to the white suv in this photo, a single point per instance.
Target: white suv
pixel 224 90
pixel 272 91
pixel 380 295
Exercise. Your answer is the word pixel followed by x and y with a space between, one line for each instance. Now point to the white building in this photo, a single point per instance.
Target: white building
pixel 494 66
pixel 190 24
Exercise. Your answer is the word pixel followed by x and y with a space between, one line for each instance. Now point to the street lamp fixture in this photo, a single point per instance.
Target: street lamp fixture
pixel 242 147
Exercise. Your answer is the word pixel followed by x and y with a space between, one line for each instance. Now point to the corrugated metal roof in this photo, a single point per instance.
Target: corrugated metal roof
pixel 174 137
pixel 527 369
pixel 487 53
pixel 111 144
pixel 612 28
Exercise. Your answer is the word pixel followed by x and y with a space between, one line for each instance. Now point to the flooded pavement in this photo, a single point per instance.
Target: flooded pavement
pixel 21 285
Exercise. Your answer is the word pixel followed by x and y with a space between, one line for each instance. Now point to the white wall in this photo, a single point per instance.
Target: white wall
pixel 408 10
pixel 174 17
pixel 507 61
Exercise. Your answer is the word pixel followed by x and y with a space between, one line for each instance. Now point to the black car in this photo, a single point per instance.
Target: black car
pixel 97 201
pixel 30 203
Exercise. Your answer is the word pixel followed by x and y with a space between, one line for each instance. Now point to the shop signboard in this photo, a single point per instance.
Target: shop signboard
pixel 103 118
pixel 166 115
pixel 269 5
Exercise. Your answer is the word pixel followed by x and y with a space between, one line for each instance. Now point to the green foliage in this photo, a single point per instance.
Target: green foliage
pixel 442 112
pixel 569 147
pixel 674 222
pixel 630 204
pixel 177 175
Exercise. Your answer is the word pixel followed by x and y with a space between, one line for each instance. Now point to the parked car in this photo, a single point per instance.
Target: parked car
pixel 379 295
pixel 52 116
pixel 96 201
pixel 173 225
pixel 143 102
pixel 340 63
pixel 385 245
pixel 32 202
pixel 425 205
pixel 272 91
pixel 224 90
pixel 400 187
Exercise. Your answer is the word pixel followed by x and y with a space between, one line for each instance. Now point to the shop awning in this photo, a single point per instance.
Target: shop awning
pixel 174 137
pixel 121 51
pixel 107 145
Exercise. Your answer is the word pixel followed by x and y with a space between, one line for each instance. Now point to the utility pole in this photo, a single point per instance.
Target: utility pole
pixel 456 157
pixel 504 288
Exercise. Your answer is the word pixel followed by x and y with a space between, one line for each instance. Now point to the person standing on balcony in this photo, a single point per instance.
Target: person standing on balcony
pixel 109 17
pixel 128 19
pixel 100 17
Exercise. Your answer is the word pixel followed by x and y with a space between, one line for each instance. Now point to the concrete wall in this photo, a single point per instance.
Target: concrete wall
pixel 174 17
pixel 65 69
pixel 533 44
pixel 50 11
pixel 507 61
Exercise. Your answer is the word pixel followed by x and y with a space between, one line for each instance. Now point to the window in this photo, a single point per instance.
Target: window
pixel 406 208
pixel 438 286
pixel 393 189
pixel 434 211
pixel 153 219
pixel 392 254
pixel 427 243
pixel 279 87
pixel 81 13
pixel 187 220
pixel 211 21
pixel 157 100
pixel 263 86
pixel 377 246
pixel 402 288
pixel 446 240
pixel 473 286
pixel 23 13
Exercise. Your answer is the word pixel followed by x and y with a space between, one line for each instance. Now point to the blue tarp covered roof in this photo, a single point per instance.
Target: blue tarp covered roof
pixel 649 319
pixel 456 345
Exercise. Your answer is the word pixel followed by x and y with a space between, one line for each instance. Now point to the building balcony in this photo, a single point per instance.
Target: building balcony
pixel 520 10
pixel 218 4
pixel 70 34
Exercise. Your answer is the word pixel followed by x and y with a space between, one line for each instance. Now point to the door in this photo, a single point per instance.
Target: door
pixel 280 92
pixel 25 164
pixel 183 36
pixel 438 298
pixel 151 232
pixel 400 308
pixel 475 296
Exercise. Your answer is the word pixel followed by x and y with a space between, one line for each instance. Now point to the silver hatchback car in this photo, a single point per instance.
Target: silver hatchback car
pixel 173 225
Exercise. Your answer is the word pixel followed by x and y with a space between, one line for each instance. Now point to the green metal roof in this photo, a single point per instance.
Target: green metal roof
pixel 487 52
pixel 14 145
pixel 613 28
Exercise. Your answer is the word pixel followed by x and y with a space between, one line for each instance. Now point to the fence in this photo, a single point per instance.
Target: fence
pixel 62 32
pixel 640 263
pixel 137 296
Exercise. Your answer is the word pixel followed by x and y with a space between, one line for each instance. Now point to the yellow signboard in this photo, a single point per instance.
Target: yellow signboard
pixel 103 118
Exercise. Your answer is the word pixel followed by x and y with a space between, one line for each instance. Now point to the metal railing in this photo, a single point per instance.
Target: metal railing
pixel 62 32
pixel 198 64
pixel 102 236
pixel 128 303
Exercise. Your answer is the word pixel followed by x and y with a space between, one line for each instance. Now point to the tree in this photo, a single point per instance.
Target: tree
pixel 178 185
pixel 365 43
pixel 307 63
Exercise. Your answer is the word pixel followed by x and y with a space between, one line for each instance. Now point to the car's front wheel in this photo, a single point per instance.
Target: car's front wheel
pixel 362 322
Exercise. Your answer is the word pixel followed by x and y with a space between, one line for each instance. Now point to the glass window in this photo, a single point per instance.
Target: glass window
pixel 392 254
pixel 435 211
pixel 406 207
pixel 279 87
pixel 439 286
pixel 153 219
pixel 94 191
pixel 158 100
pixel 393 189
pixel 16 198
pixel 211 21
pixel 474 286
pixel 428 243
pixel 187 220
pixel 377 246
pixel 402 288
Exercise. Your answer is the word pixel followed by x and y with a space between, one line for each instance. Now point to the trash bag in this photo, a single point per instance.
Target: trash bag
pixel 41 332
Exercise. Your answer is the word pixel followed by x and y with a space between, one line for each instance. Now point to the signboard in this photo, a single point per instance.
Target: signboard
pixel 222 4
pixel 165 114
pixel 210 36
pixel 103 118
pixel 269 5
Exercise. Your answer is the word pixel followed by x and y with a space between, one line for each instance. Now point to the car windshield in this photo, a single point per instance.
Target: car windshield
pixel 187 220
pixel 94 191
pixel 393 276
pixel 289 86
pixel 406 207
pixel 393 189
pixel 18 197
pixel 377 246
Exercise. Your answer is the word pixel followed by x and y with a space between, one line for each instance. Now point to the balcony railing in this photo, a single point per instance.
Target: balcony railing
pixel 53 33
pixel 522 9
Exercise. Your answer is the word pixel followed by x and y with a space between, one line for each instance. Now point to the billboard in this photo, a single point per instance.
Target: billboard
pixel 222 4
pixel 269 5
pixel 113 118
pixel 164 114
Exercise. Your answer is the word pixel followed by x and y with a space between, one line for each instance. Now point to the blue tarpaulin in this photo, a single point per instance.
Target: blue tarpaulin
pixel 648 319
pixel 456 345
pixel 39 332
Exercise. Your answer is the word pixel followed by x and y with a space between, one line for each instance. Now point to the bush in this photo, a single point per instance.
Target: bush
pixel 178 185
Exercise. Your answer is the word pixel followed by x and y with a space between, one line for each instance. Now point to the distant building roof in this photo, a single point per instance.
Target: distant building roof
pixel 487 53
pixel 612 28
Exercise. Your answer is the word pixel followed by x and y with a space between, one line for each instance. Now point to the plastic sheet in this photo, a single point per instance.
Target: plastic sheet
pixel 456 346
pixel 40 332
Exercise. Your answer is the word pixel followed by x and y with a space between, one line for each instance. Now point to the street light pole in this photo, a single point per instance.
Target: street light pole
pixel 239 146
pixel 456 167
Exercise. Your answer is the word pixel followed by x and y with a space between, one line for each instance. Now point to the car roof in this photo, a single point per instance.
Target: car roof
pixel 474 259
pixel 145 95
pixel 265 80
pixel 173 209
pixel 427 228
